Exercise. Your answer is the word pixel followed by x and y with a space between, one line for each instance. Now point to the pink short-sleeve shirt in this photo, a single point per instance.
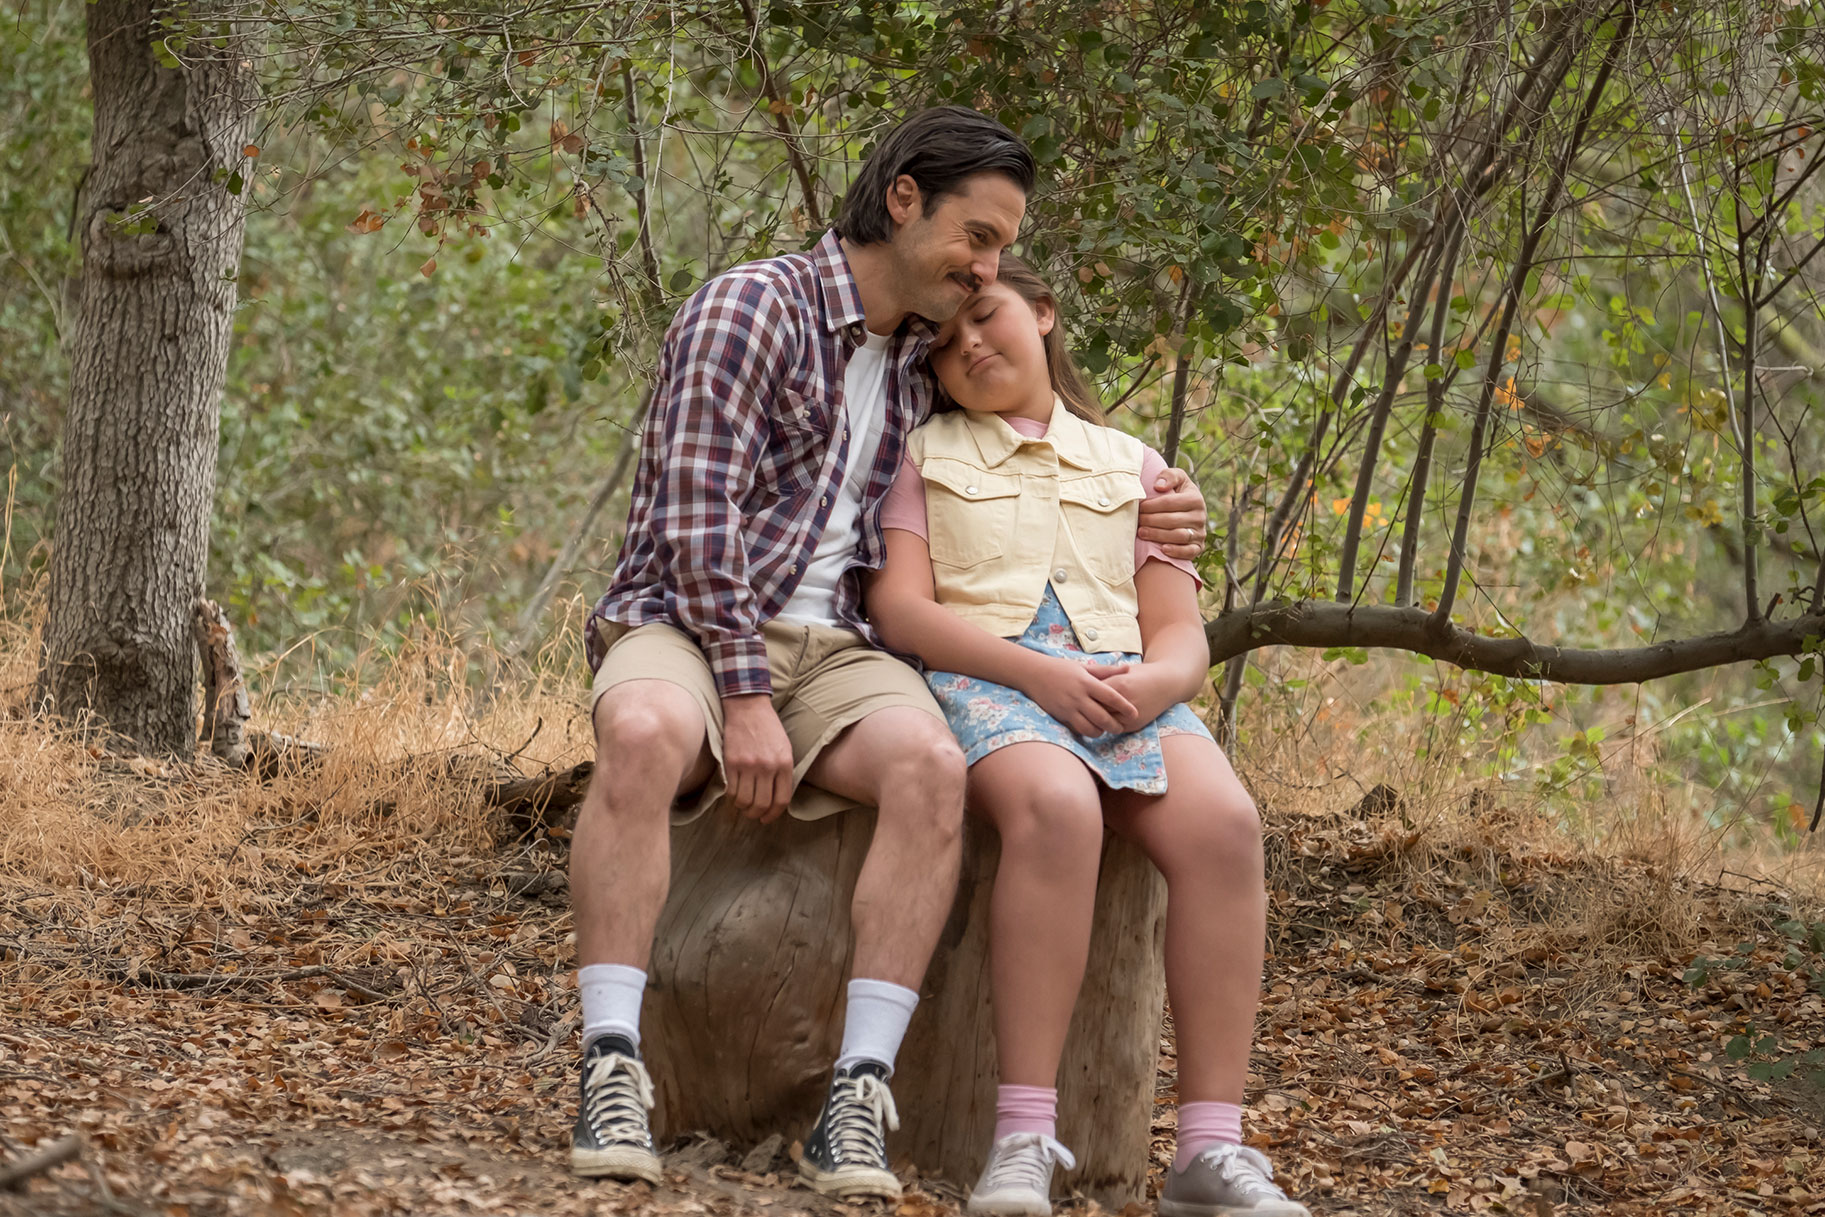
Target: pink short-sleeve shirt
pixel 904 506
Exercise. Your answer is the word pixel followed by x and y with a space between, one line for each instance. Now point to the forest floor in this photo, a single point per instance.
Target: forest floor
pixel 1485 1024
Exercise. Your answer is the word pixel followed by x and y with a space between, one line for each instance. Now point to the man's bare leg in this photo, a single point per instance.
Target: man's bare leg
pixel 906 763
pixel 650 745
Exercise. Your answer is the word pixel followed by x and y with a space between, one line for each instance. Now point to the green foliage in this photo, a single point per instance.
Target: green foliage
pixel 1766 1055
pixel 44 135
pixel 468 229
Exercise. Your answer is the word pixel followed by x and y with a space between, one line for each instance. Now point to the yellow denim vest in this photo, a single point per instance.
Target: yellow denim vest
pixel 1007 514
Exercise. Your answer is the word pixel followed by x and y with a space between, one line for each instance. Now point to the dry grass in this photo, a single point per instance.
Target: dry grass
pixel 73 812
pixel 1639 870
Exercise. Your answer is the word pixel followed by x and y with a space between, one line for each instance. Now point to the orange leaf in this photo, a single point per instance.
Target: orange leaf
pixel 251 150
pixel 429 268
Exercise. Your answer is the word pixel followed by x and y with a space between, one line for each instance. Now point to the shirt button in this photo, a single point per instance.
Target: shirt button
pixel 1090 634
pixel 793 570
pixel 1060 575
pixel 823 500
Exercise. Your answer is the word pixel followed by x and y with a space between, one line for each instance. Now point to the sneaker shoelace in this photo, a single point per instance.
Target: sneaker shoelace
pixel 859 1108
pixel 620 1094
pixel 1024 1160
pixel 1245 1169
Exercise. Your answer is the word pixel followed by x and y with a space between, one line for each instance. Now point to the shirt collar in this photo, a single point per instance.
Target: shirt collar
pixel 1068 435
pixel 843 303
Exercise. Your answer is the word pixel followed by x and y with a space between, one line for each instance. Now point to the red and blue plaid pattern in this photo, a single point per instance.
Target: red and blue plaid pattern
pixel 744 450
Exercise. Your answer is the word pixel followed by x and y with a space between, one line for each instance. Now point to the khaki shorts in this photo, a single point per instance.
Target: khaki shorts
pixel 824 681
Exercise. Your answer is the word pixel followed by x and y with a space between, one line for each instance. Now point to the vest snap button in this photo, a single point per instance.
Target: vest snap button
pixel 1103 502
pixel 969 490
pixel 1090 634
pixel 1060 575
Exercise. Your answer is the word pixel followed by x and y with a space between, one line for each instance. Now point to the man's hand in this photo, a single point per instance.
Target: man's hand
pixel 1175 520
pixel 756 757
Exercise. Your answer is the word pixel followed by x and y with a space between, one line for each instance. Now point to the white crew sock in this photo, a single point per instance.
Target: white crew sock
pixel 875 1022
pixel 611 1001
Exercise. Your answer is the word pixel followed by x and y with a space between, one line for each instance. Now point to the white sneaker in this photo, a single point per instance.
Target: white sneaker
pixel 1017 1182
pixel 1226 1181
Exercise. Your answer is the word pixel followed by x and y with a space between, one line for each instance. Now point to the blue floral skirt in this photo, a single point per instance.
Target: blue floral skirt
pixel 985 716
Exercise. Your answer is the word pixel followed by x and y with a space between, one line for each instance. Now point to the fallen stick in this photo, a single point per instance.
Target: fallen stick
pixel 204 980
pixel 13 1177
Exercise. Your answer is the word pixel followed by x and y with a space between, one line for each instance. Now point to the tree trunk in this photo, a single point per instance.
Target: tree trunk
pixel 148 347
pixel 744 1011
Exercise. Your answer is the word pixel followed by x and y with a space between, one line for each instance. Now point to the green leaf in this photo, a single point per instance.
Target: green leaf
pixel 1465 360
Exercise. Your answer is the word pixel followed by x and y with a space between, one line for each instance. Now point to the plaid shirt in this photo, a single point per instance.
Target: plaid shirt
pixel 744 452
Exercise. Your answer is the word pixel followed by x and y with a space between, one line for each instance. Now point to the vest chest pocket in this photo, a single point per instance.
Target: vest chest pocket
pixel 1103 511
pixel 969 512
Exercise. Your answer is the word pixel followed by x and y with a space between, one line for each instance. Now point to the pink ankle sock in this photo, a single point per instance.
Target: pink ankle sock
pixel 1026 1109
pixel 1202 1125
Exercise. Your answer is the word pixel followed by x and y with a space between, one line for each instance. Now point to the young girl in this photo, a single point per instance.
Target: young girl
pixel 1062 651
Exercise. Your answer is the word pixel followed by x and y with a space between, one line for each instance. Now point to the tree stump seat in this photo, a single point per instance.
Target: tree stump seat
pixel 744 1005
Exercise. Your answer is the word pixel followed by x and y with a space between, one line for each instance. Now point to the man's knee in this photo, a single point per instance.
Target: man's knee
pixel 648 726
pixel 929 764
pixel 922 784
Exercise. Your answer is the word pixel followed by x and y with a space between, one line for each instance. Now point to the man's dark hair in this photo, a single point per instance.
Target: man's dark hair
pixel 938 148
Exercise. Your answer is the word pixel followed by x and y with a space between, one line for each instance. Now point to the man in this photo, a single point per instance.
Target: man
pixel 731 657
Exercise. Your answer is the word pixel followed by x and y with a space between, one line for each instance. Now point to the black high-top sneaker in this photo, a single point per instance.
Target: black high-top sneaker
pixel 612 1139
pixel 846 1153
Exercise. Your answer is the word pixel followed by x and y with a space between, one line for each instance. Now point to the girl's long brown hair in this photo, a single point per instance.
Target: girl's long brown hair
pixel 1068 379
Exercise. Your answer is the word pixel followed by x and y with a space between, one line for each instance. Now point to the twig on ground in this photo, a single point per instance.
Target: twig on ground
pixel 203 980
pixel 13 1177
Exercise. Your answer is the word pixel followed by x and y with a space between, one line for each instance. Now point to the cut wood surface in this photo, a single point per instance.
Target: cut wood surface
pixel 744 1011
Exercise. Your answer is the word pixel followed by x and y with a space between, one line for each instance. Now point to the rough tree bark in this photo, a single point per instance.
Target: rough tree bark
pixel 744 1011
pixel 148 349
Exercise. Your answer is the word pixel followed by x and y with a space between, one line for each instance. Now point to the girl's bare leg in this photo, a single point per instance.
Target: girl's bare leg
pixel 1044 803
pixel 1205 837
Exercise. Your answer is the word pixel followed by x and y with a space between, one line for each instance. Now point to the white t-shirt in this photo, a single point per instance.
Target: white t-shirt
pixel 813 602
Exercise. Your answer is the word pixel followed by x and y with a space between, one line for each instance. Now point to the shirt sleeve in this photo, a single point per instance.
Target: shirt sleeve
pixel 724 359
pixel 1152 465
pixel 904 506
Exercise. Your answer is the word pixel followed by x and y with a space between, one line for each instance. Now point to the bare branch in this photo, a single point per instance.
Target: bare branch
pixel 1428 432
pixel 1549 207
pixel 776 106
pixel 1323 623
pixel 561 564
pixel 1392 374
pixel 1181 376
pixel 649 261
